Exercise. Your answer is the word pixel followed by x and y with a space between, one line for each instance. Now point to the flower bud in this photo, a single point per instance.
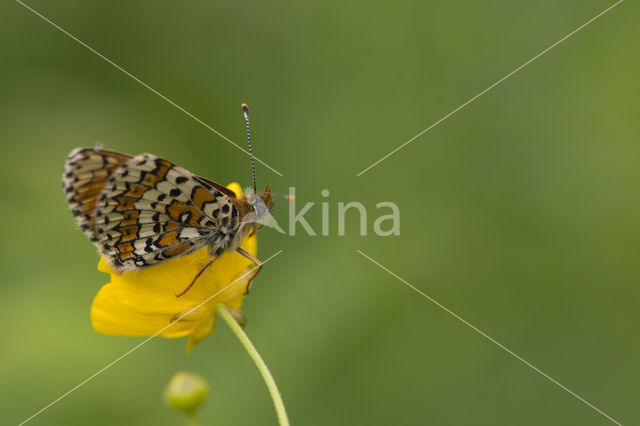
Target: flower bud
pixel 186 391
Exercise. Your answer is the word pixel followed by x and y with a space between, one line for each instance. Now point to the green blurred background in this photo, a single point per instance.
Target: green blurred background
pixel 521 213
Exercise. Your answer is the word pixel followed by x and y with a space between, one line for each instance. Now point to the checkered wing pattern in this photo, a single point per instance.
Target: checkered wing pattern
pixel 150 210
pixel 84 176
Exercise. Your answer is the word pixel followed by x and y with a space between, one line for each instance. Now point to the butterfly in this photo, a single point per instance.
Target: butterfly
pixel 143 210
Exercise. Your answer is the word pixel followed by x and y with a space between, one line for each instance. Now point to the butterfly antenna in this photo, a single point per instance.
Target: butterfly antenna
pixel 245 110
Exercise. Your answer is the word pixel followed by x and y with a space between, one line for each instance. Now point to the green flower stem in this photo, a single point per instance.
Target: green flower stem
pixel 192 420
pixel 257 359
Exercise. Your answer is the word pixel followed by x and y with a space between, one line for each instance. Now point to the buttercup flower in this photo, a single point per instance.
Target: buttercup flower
pixel 144 302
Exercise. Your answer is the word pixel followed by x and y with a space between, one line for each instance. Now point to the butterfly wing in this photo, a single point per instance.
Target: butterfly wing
pixel 85 173
pixel 140 211
pixel 151 210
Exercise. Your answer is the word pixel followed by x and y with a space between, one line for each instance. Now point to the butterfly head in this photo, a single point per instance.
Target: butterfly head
pixel 261 202
pixel 259 213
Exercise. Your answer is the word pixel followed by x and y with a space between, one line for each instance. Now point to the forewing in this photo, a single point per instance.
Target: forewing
pixel 85 173
pixel 151 210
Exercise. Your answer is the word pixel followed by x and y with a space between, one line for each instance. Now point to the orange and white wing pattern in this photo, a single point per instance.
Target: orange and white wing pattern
pixel 84 176
pixel 150 210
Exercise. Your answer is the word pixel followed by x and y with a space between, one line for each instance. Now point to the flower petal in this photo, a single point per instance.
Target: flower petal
pixel 109 316
pixel 202 331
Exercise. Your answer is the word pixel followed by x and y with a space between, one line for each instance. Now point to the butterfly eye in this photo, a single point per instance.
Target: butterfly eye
pixel 258 205
pixel 260 208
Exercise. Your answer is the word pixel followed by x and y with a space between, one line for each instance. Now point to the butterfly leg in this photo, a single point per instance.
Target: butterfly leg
pixel 250 257
pixel 254 260
pixel 213 259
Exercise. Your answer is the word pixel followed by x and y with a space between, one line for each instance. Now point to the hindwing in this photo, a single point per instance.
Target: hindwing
pixel 150 210
pixel 85 173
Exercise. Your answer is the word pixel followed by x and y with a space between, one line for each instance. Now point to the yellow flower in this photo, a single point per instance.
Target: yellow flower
pixel 144 302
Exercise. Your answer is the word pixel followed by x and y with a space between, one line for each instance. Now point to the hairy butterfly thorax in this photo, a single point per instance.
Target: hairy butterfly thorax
pixel 143 210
